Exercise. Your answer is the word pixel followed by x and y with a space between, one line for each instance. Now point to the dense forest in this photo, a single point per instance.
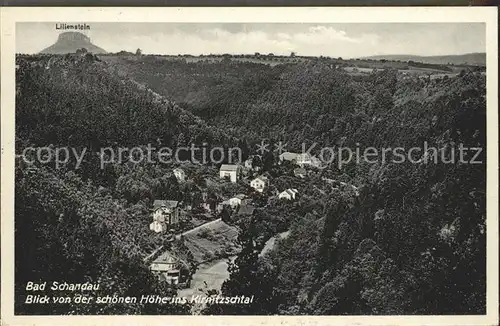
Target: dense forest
pixel 92 221
pixel 410 241
pixel 413 242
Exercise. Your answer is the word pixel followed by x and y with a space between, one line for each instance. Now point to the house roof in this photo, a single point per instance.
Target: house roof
pixel 165 203
pixel 288 156
pixel 178 170
pixel 229 167
pixel 166 257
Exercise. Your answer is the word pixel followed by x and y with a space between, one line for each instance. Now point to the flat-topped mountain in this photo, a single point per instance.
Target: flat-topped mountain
pixel 69 42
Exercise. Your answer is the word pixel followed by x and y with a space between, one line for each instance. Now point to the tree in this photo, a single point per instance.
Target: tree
pixel 327 253
pixel 138 52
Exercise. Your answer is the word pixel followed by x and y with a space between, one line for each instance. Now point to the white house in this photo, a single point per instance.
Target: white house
pixel 288 194
pixel 259 183
pixel 180 174
pixel 157 226
pixel 236 200
pixel 165 214
pixel 231 171
pixel 246 210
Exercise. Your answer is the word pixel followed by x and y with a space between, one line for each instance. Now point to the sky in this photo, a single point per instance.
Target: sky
pixel 335 40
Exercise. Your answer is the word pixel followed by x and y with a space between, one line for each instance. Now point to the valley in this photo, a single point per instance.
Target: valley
pixel 364 237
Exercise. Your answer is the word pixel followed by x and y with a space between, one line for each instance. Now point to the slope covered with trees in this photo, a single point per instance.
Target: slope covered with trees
pixel 314 101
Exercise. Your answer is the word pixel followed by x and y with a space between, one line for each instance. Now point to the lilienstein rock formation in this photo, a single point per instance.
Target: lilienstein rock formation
pixel 69 42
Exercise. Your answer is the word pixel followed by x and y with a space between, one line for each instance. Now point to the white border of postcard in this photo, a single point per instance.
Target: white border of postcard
pixel 11 15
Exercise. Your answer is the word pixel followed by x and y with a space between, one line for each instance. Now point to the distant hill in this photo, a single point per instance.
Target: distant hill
pixel 477 59
pixel 69 42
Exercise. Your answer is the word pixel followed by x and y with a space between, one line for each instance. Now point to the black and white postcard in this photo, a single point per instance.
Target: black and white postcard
pixel 220 166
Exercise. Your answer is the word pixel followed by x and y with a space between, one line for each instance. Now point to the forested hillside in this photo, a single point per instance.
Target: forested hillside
pixel 87 223
pixel 413 242
pixel 469 58
pixel 299 103
pixel 254 101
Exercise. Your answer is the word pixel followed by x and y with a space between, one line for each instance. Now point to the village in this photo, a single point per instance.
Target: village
pixel 252 188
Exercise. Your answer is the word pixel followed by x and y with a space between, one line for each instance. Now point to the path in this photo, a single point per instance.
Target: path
pixel 208 276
